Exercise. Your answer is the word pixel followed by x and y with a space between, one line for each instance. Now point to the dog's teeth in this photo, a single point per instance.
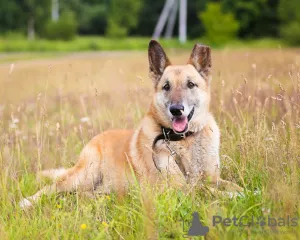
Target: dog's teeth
pixel 25 204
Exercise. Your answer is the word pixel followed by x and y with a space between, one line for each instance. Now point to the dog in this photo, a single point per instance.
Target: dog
pixel 178 139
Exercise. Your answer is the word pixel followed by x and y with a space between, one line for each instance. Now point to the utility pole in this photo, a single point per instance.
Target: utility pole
pixel 168 15
pixel 55 10
pixel 162 19
pixel 171 21
pixel 182 20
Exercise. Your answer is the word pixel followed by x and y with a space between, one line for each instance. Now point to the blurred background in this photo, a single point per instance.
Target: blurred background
pixel 74 25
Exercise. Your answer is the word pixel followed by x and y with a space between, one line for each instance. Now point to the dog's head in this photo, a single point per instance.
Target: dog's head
pixel 182 92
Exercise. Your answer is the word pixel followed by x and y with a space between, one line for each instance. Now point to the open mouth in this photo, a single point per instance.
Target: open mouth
pixel 180 123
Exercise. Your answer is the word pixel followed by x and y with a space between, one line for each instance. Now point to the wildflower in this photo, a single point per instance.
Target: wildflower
pixel 58 206
pixel 1 109
pixel 47 124
pixel 50 133
pixel 83 226
pixel 13 126
pixel 14 123
pixel 108 197
pixel 11 69
pixel 105 224
pixel 269 139
pixel 266 210
pixel 38 97
pixel 85 119
pixel 15 120
pixel 19 133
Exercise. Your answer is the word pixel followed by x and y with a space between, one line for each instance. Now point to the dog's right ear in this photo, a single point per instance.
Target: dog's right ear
pixel 158 61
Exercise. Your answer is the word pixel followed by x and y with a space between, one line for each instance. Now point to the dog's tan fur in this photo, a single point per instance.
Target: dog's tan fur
pixel 107 161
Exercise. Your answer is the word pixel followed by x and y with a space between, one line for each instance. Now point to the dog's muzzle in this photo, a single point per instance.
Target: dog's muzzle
pixel 179 121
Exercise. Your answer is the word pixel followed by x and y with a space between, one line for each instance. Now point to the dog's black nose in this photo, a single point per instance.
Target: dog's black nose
pixel 176 109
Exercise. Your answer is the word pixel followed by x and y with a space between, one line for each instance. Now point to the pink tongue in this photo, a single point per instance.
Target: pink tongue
pixel 179 124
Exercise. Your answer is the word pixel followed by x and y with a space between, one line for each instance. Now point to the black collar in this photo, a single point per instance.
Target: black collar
pixel 169 135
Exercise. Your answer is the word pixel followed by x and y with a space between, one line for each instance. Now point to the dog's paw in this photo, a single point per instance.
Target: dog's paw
pixel 242 194
pixel 235 194
pixel 25 203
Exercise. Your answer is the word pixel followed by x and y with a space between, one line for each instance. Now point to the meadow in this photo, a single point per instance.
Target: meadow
pixel 51 107
pixel 15 43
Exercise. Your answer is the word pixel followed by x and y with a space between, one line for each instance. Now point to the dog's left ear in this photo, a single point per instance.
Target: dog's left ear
pixel 201 60
pixel 158 61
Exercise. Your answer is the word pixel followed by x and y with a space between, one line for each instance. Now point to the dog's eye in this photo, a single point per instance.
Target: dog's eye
pixel 191 85
pixel 166 87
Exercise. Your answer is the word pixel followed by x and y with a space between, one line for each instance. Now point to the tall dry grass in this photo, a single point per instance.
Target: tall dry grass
pixel 49 109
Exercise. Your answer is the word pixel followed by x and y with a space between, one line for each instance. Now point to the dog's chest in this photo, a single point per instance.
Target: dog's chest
pixel 180 157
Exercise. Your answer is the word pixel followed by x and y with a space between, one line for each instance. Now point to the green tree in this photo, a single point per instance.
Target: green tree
pixel 289 14
pixel 256 17
pixel 9 16
pixel 288 11
pixel 219 27
pixel 35 14
pixel 122 17
pixel 91 14
pixel 65 28
pixel 146 25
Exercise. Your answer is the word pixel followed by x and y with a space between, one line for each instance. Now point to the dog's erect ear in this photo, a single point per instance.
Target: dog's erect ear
pixel 201 60
pixel 158 61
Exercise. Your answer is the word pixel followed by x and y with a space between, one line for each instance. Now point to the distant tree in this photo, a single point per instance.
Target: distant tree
pixel 93 19
pixel 289 11
pixel 138 17
pixel 91 14
pixel 65 28
pixel 122 17
pixel 35 13
pixel 10 19
pixel 289 14
pixel 290 32
pixel 195 28
pixel 256 17
pixel 219 27
pixel 146 25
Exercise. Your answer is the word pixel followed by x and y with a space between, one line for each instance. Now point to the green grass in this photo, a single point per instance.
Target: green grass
pixel 20 44
pixel 155 214
pixel 23 56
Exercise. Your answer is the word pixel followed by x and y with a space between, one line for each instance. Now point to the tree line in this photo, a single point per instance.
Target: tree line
pixel 120 18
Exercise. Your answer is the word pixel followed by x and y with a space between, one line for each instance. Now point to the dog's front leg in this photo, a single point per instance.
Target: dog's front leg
pixel 166 163
pixel 206 158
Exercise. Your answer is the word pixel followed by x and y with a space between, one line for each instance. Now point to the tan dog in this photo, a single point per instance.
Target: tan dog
pixel 178 139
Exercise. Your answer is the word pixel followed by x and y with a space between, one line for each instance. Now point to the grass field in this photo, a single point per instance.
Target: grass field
pixel 19 43
pixel 50 108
